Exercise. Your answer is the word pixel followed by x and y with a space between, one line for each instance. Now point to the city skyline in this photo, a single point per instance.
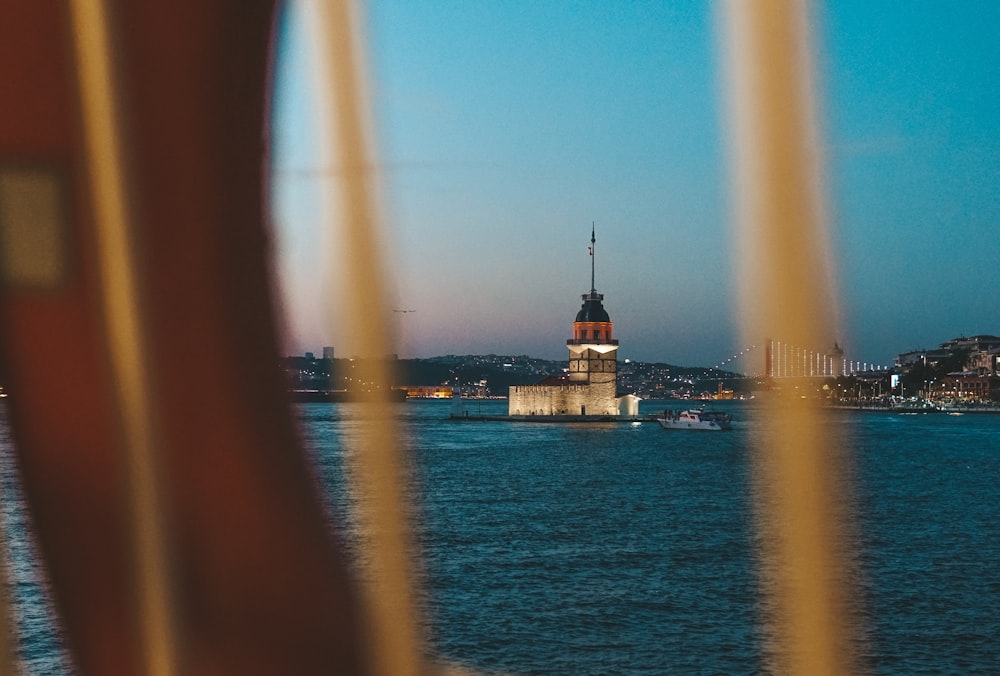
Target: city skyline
pixel 503 131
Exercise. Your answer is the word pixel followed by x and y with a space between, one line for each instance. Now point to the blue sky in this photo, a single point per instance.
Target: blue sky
pixel 504 129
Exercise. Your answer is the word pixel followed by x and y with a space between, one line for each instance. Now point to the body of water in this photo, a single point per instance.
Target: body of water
pixel 628 549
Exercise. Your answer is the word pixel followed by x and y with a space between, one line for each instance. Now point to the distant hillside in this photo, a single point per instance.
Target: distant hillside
pixel 499 372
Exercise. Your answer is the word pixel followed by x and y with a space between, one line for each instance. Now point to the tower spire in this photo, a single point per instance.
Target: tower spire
pixel 593 241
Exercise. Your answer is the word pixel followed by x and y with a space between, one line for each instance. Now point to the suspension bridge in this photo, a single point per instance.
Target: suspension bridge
pixel 781 359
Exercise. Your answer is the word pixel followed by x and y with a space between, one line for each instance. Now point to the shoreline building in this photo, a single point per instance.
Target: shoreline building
pixel 590 387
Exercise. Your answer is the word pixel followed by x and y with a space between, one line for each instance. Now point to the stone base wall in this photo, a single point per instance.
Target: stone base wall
pixel 591 399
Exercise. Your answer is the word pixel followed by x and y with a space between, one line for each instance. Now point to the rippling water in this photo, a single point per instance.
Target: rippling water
pixel 42 651
pixel 606 548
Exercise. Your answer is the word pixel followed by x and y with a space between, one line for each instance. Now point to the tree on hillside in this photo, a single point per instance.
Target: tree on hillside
pixel 919 373
pixel 956 361
pixel 922 375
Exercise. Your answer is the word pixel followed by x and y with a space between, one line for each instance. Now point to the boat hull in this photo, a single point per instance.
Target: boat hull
pixel 694 420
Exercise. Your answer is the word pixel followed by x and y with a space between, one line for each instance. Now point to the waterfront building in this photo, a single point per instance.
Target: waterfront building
pixel 590 385
pixel 986 361
pixel 429 391
pixel 982 353
pixel 973 344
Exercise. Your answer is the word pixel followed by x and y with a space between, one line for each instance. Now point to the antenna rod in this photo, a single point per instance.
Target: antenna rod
pixel 593 241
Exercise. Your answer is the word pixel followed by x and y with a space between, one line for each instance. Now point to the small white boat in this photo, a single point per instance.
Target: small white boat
pixel 694 419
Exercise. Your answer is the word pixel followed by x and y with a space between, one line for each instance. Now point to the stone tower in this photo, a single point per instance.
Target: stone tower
pixel 591 385
pixel 593 351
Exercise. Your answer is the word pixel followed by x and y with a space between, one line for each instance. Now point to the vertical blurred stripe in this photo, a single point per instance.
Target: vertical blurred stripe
pixel 128 354
pixel 378 469
pixel 786 293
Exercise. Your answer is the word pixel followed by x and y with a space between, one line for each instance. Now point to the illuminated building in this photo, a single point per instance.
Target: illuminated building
pixel 590 386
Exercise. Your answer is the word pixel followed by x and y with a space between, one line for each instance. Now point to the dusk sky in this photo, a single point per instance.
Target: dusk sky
pixel 504 129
